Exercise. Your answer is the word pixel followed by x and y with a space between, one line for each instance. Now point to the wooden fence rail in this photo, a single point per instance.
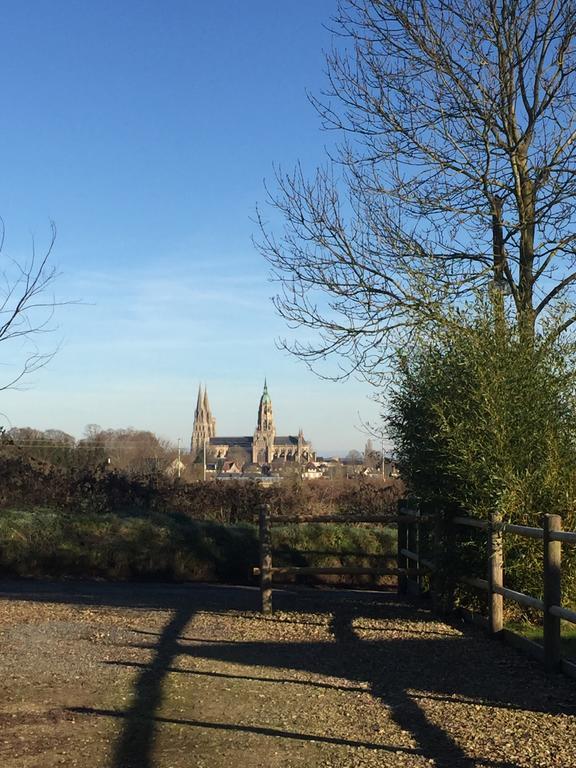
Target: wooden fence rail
pixel 552 537
pixel 266 571
pixel 412 567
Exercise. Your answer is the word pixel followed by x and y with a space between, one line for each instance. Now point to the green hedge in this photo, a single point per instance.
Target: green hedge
pixel 48 543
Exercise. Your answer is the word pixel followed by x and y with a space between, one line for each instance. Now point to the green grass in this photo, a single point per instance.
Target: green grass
pixel 162 546
pixel 329 545
pixel 536 634
pixel 51 543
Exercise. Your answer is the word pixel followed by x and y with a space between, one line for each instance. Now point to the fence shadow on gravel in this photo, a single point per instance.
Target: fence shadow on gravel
pixel 410 665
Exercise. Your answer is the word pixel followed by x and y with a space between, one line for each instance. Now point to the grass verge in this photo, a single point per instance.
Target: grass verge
pixel 536 634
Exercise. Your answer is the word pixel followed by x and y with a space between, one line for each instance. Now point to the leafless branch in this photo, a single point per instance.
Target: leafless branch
pixel 448 112
pixel 27 308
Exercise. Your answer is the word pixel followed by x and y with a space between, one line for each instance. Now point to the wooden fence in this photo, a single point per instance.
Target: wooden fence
pixel 412 568
pixel 267 570
pixel 552 537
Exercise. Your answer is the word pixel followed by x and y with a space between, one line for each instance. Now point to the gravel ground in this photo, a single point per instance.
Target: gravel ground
pixel 148 676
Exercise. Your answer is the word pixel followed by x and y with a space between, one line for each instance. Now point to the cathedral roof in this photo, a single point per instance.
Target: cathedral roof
pixel 242 441
pixel 286 440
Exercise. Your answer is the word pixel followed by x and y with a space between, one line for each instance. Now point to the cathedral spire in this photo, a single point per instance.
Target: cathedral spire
pixel 263 444
pixel 265 416
pixel 198 402
pixel 265 395
pixel 206 403
pixel 204 423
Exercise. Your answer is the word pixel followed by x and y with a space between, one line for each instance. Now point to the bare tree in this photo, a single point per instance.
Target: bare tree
pixel 456 172
pixel 26 309
pixel 130 450
pixel 52 445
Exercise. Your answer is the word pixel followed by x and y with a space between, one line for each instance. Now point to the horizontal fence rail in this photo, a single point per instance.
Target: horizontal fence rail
pixel 333 570
pixel 552 536
pixel 520 598
pixel 563 613
pixel 413 570
pixel 287 519
pixel 266 571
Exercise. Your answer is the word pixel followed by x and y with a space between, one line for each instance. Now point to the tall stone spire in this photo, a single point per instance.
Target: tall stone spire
pixel 265 415
pixel 198 410
pixel 209 418
pixel 204 423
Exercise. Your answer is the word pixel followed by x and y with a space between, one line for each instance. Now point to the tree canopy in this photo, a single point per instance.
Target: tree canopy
pixel 455 172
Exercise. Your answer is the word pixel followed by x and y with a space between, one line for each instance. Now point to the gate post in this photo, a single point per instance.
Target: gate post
pixel 495 575
pixel 439 559
pixel 552 592
pixel 265 559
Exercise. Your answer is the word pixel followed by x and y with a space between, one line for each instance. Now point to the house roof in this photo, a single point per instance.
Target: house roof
pixel 230 466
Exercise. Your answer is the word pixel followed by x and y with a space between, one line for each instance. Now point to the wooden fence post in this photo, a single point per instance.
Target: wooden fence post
pixel 265 559
pixel 495 575
pixel 402 559
pixel 552 592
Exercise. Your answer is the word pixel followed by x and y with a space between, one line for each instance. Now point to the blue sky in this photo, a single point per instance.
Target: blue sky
pixel 144 130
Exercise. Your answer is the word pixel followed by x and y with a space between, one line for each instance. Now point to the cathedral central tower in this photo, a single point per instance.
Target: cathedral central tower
pixel 265 432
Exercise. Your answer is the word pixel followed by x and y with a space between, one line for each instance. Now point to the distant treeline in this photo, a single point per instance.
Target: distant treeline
pixel 27 482
pixel 129 450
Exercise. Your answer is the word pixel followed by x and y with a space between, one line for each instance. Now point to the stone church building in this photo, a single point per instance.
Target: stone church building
pixel 263 447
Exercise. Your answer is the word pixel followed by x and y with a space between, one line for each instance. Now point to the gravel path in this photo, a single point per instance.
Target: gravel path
pixel 148 676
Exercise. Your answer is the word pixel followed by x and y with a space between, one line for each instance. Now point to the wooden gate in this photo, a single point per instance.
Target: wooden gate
pixel 267 570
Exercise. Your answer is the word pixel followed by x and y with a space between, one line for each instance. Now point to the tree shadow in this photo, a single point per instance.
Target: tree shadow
pixel 134 747
pixel 402 666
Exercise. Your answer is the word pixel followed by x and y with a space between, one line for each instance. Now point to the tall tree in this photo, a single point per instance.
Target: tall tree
pixel 456 172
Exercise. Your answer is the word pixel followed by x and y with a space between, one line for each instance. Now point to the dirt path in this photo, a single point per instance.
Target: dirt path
pixel 137 676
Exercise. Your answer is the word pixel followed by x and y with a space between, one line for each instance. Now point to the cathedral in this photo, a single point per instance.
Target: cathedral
pixel 263 447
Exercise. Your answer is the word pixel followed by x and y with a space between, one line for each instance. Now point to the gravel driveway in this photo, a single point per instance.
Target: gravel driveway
pixel 149 676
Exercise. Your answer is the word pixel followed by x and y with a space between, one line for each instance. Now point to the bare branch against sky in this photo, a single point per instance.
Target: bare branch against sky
pixel 27 307
pixel 456 170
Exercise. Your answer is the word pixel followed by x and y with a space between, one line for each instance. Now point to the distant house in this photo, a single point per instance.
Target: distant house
pixel 312 471
pixel 231 468
pixel 175 468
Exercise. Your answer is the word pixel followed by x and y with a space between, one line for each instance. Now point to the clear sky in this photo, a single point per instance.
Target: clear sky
pixel 145 129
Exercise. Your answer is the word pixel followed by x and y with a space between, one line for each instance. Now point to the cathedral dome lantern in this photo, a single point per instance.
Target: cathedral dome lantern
pixel 263 445
pixel 265 416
